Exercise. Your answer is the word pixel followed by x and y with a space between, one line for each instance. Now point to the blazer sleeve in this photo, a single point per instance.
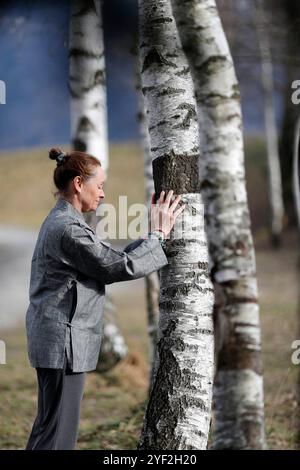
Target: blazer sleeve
pixel 85 252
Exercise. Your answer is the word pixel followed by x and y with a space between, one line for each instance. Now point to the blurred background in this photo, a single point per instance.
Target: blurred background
pixel 36 116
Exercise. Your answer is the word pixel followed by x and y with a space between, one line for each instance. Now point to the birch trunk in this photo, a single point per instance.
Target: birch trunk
pixel 238 389
pixel 179 408
pixel 87 85
pixel 152 281
pixel 274 173
pixel 87 80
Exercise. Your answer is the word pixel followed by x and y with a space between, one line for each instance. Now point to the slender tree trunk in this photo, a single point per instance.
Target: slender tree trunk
pixel 113 346
pixel 179 408
pixel 152 280
pixel 238 390
pixel 87 84
pixel 87 81
pixel 274 171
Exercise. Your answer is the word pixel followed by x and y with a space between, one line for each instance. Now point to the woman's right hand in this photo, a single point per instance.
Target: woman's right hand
pixel 162 216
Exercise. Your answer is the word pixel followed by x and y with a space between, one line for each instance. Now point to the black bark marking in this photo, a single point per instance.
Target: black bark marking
pixel 208 66
pixel 175 171
pixel 191 115
pixel 84 125
pixel 173 306
pixel 79 145
pixel 200 331
pixel 160 123
pixel 145 89
pixel 99 79
pixel 155 57
pixel 78 52
pixel 214 99
pixel 180 290
pixel 171 91
pixel 183 72
pixel 235 355
pixel 203 265
pixel 161 20
pixel 89 7
pixel 240 248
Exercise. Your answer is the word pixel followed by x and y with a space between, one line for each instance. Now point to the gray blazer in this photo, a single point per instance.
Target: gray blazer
pixel 69 269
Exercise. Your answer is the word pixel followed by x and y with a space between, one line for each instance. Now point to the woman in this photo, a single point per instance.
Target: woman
pixel 69 269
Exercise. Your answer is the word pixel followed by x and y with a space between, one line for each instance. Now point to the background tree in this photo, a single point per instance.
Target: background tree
pixel 238 389
pixel 274 170
pixel 152 280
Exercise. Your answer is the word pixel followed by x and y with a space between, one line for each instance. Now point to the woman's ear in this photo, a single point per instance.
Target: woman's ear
pixel 77 181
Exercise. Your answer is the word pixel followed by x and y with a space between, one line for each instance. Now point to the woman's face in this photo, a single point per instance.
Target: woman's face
pixel 91 192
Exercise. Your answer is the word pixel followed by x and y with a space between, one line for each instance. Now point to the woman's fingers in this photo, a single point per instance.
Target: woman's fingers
pixel 168 197
pixel 181 208
pixel 161 197
pixel 175 203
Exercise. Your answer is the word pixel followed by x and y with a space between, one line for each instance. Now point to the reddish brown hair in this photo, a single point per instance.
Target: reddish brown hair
pixel 69 165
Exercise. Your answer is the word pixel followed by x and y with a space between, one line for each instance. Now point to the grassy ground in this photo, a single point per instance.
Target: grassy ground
pixel 114 402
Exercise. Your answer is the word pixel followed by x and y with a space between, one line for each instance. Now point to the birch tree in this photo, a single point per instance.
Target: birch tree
pixel 87 82
pixel 238 389
pixel 87 85
pixel 179 408
pixel 274 172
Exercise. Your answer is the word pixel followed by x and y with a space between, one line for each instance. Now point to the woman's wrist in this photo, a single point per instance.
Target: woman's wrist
pixel 158 230
pixel 157 233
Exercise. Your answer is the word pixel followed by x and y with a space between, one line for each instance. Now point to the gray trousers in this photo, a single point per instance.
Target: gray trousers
pixel 60 393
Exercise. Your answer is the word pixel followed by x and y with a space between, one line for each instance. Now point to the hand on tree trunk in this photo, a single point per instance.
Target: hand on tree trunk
pixel 162 215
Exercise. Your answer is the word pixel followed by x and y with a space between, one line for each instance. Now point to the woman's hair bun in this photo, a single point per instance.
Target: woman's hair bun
pixel 55 153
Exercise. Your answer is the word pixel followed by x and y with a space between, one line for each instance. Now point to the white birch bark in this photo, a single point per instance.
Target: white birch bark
pixel 87 85
pixel 238 389
pixel 274 172
pixel 87 80
pixel 152 280
pixel 113 346
pixel 179 409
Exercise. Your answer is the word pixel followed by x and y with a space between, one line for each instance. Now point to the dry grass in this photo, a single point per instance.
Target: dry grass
pixel 114 402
